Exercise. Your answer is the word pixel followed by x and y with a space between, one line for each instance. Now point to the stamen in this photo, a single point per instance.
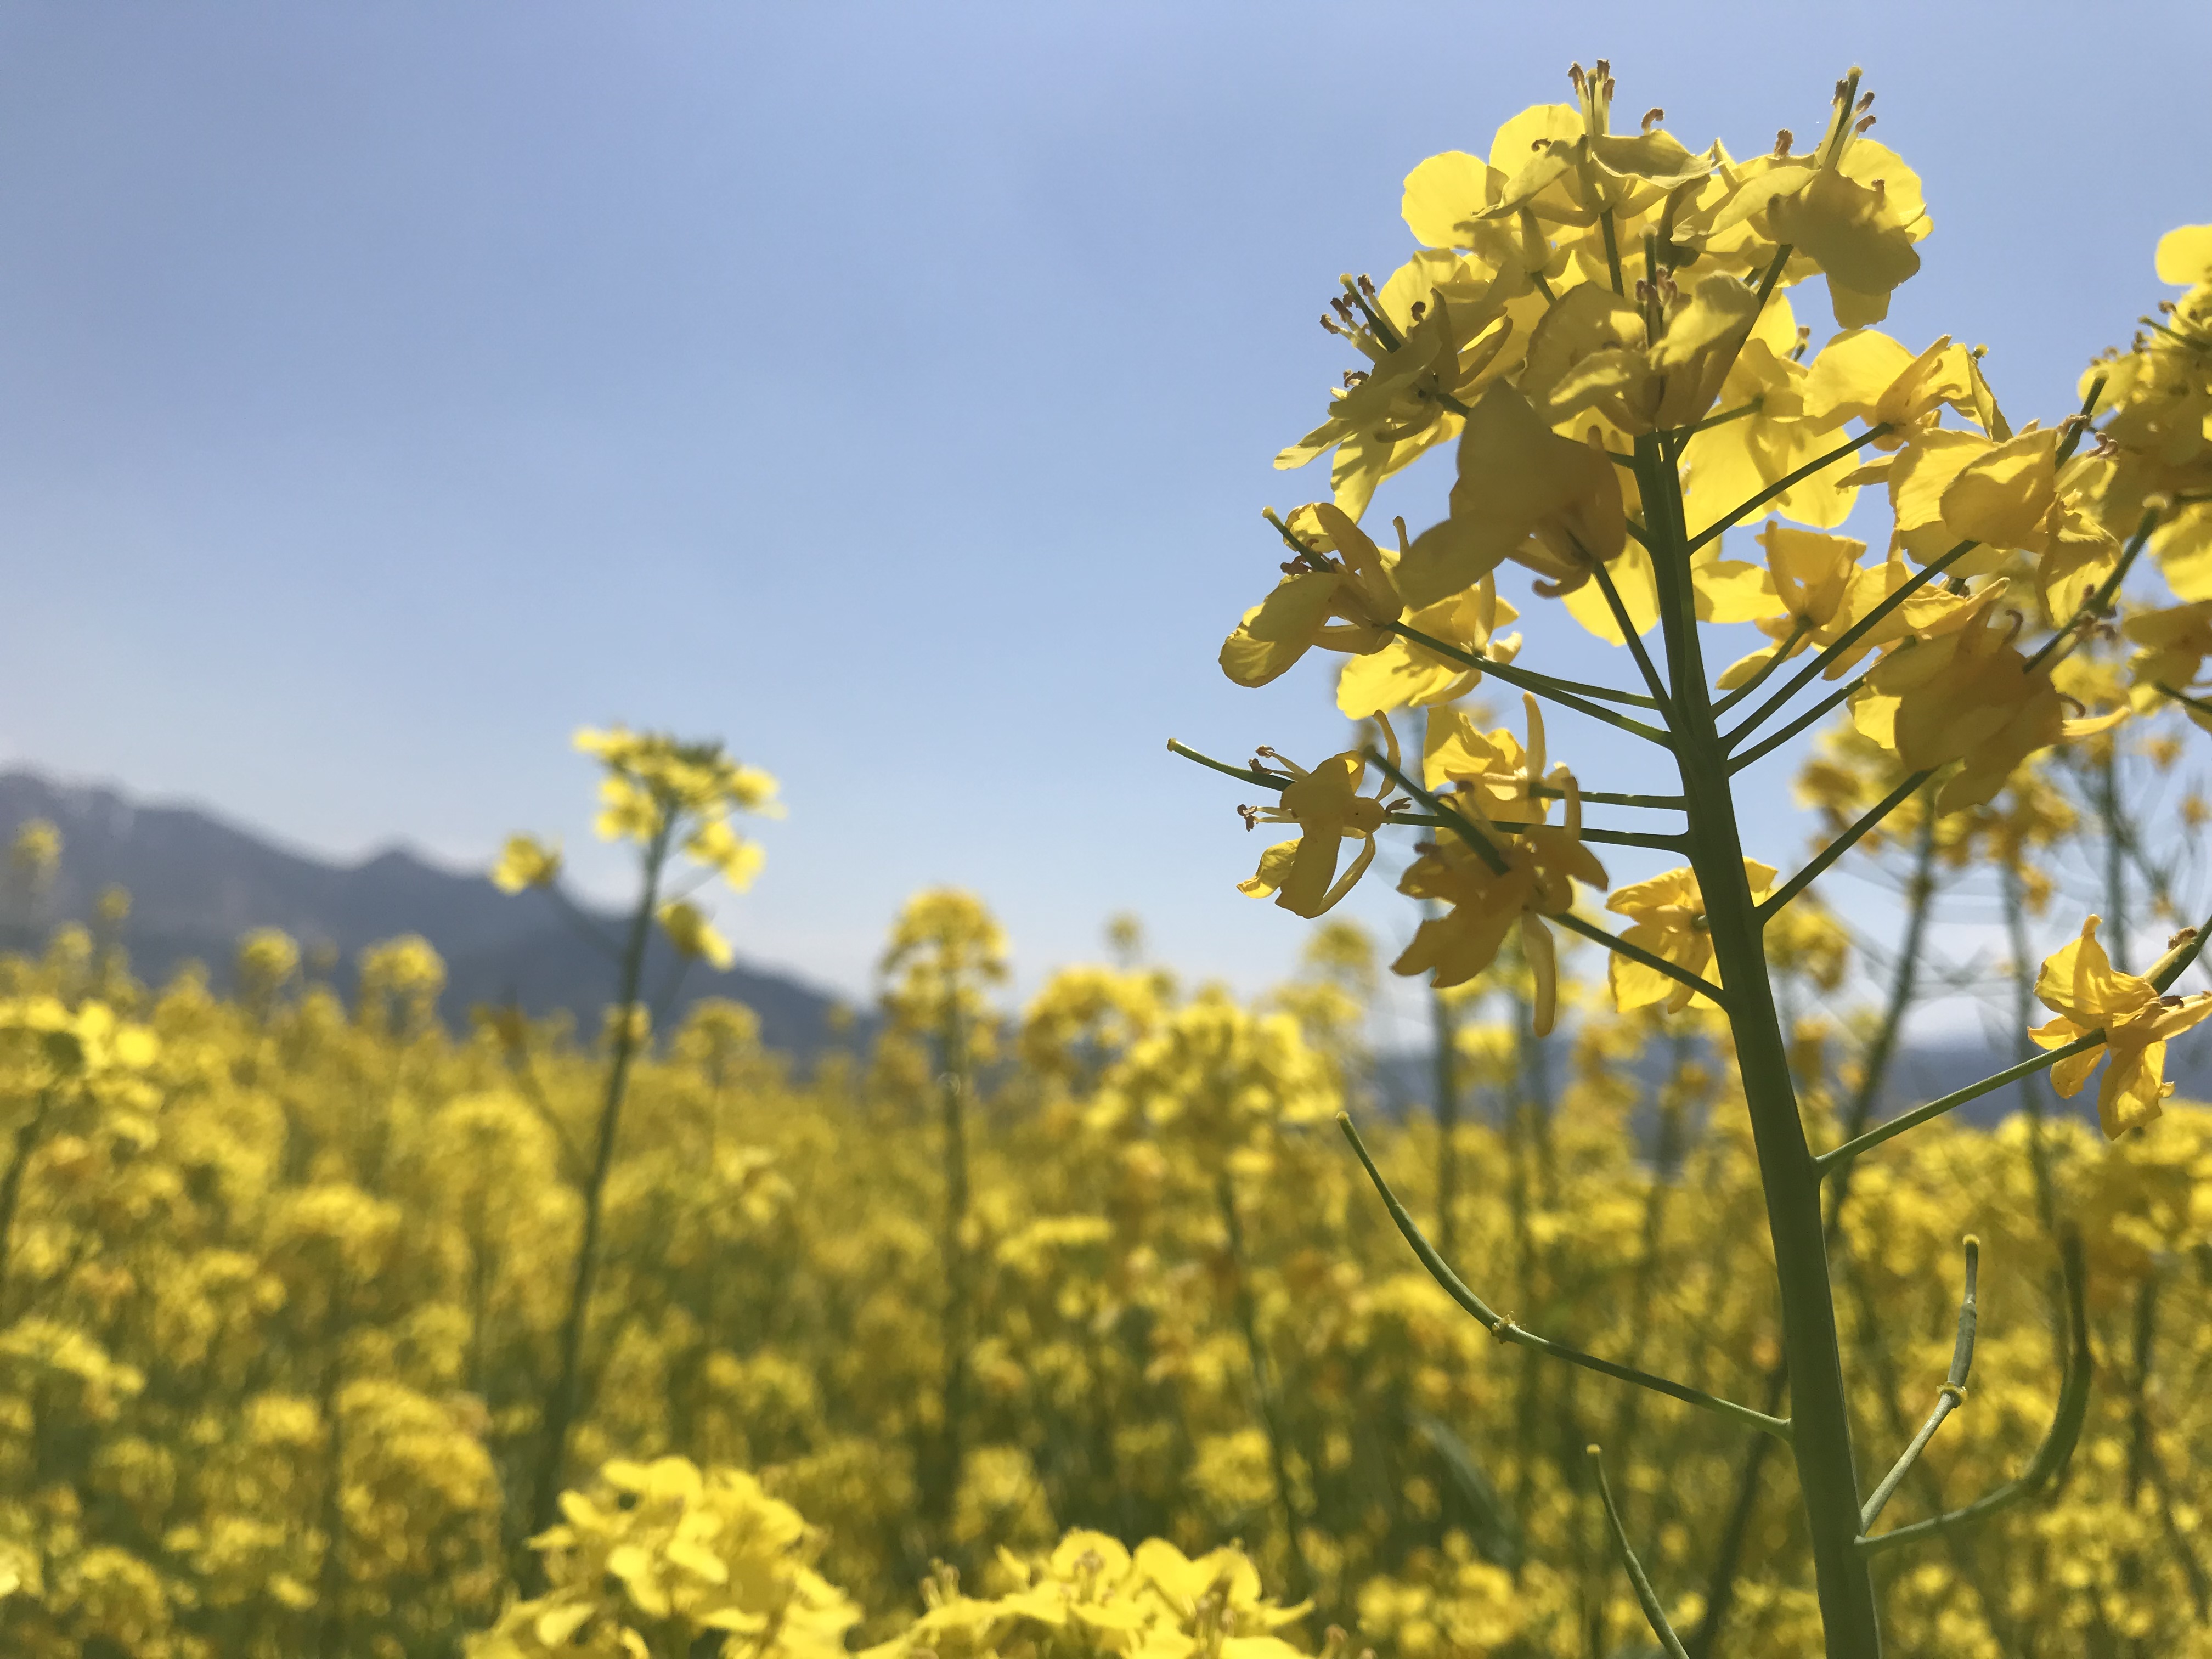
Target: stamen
pixel 1863 124
pixel 1782 140
pixel 1653 117
pixel 1250 815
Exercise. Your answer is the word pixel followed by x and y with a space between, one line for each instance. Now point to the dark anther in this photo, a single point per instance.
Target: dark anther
pixel 1782 140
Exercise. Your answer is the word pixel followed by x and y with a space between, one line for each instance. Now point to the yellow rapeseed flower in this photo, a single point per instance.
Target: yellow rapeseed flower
pixel 2082 987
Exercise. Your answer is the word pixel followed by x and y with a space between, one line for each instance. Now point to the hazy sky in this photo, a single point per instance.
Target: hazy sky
pixel 387 390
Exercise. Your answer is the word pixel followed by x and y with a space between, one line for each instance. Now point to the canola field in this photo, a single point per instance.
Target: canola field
pixel 285 1281
pixel 1139 1320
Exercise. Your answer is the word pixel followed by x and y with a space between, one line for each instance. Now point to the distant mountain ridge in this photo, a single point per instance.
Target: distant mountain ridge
pixel 197 883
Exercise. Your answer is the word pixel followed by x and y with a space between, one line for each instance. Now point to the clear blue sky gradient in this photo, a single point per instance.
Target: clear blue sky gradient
pixel 891 389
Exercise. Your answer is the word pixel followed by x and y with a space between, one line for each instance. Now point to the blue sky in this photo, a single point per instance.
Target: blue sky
pixel 386 390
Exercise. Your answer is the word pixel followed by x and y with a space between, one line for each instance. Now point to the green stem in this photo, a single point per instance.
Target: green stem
pixel 1778 488
pixel 2057 1447
pixel 1619 947
pixel 1506 1330
pixel 1841 845
pixel 1897 1125
pixel 1858 631
pixel 2100 601
pixel 1948 1398
pixel 1600 798
pixel 1446 1035
pixel 1820 1412
pixel 1804 626
pixel 1610 837
pixel 562 1406
pixel 1628 636
pixel 1264 779
pixel 1646 1597
pixel 1678 434
pixel 1812 716
pixel 1263 1385
pixel 1903 987
pixel 1566 694
pixel 1485 848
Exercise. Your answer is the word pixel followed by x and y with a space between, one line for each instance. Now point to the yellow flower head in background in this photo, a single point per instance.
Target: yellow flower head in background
pixel 523 863
pixel 2082 987
pixel 694 936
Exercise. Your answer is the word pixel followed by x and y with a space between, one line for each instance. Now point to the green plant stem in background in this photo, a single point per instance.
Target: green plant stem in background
pixel 1264 1388
pixel 566 1399
pixel 942 1460
pixel 1506 1330
pixel 1445 1029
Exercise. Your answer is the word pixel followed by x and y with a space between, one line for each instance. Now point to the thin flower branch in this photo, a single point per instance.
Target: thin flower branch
pixel 1566 694
pixel 1619 838
pixel 1935 1108
pixel 1600 797
pixel 1485 848
pixel 1632 639
pixel 2057 1449
pixel 1842 844
pixel 1852 636
pixel 1948 1398
pixel 1244 773
pixel 1658 964
pixel 1646 1598
pixel 1681 434
pixel 1818 712
pixel 2182 697
pixel 2100 602
pixel 1760 500
pixel 1505 1330
pixel 1759 676
pixel 2164 976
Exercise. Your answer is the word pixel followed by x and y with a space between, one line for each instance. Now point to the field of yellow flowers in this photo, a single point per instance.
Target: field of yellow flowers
pixel 285 1284
pixel 1130 1323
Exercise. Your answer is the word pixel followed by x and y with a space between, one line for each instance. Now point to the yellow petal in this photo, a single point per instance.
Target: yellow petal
pixel 2002 498
pixel 1445 193
pixel 2134 1090
pixel 1274 870
pixel 1280 630
pixel 2185 255
pixel 2080 981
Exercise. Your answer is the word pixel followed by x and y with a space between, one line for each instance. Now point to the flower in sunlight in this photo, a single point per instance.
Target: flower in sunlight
pixel 1328 809
pixel 1668 918
pixel 2082 987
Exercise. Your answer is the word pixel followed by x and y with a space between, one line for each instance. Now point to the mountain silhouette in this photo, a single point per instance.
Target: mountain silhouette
pixel 197 883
